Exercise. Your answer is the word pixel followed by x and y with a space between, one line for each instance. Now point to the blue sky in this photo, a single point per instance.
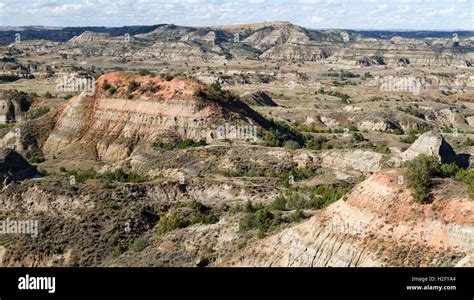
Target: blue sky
pixel 345 14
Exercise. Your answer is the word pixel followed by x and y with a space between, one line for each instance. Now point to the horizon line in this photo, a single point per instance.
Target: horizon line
pixel 55 27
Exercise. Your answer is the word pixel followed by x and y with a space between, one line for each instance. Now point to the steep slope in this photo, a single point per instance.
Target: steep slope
pixel 184 51
pixel 13 106
pixel 376 225
pixel 290 51
pixel 128 110
pixel 258 98
pixel 430 143
pixel 14 167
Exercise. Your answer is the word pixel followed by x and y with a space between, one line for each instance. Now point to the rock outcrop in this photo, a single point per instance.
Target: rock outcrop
pixel 14 167
pixel 378 224
pixel 88 37
pixel 179 51
pixel 259 99
pixel 114 123
pixel 13 107
pixel 430 143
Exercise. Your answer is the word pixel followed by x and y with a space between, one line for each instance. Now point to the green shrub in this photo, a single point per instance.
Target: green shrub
pixel 117 175
pixel 466 176
pixel 37 159
pixel 357 137
pixel 423 168
pixel 384 149
pixel 295 200
pixel 263 219
pixel 167 77
pixel 140 244
pixel 247 222
pixel 468 142
pixel 418 174
pixel 191 143
pixel 210 218
pixel 106 85
pixel 162 145
pixel 112 91
pixel 216 94
pixel 267 217
pixel 248 207
pixel 410 139
pixel 196 205
pixel 83 175
pixel 279 133
pixel 122 176
pixel 187 143
pixel 236 209
pixel 322 196
pixel 447 170
pixel 145 72
pixel 279 203
pixel 470 190
pixel 132 86
pixel 293 145
pixel 118 250
pixel 296 216
pixel 40 111
pixel 171 222
pixel 318 143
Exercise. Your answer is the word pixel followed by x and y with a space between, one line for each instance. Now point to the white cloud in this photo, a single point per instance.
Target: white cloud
pixel 317 20
pixel 353 14
pixel 441 12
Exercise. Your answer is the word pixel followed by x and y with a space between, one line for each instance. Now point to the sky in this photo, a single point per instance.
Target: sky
pixel 318 14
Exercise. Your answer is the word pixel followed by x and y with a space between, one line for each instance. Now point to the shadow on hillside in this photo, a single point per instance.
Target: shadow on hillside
pixel 462 160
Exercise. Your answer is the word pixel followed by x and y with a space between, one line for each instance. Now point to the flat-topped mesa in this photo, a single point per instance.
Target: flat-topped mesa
pixel 127 110
pixel 89 36
pixel 155 89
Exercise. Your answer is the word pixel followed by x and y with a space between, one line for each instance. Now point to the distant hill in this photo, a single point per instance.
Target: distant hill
pixel 64 34
pixel 7 33
pixel 387 34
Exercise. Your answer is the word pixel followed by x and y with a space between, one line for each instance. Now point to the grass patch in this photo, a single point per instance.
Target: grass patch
pixel 288 207
pixel 118 175
pixel 420 171
pixel 186 143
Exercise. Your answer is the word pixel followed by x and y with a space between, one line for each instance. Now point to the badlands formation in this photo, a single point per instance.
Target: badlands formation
pixel 262 145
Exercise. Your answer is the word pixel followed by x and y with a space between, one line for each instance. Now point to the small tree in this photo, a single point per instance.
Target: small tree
pixel 106 85
pixel 418 174
pixel 133 86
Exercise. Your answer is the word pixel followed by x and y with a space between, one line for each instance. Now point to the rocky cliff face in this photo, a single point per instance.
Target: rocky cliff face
pixel 430 143
pixel 376 225
pixel 267 41
pixel 180 51
pixel 157 110
pixel 13 106
pixel 14 167
pixel 295 52
pixel 372 52
pixel 258 98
